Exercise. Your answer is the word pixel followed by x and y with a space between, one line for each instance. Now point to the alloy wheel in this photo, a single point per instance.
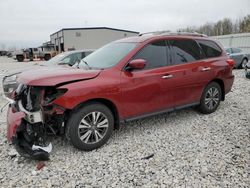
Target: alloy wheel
pixel 93 127
pixel 212 98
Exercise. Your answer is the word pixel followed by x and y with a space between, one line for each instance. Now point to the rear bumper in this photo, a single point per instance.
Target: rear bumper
pixel 14 120
pixel 228 83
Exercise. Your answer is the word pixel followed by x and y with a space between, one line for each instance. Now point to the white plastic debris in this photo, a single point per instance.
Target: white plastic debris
pixel 48 148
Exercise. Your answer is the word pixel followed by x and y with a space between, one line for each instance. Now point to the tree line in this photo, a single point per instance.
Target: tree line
pixel 222 27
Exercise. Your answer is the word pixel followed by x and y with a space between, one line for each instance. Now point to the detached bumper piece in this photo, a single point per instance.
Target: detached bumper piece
pixel 25 145
pixel 27 138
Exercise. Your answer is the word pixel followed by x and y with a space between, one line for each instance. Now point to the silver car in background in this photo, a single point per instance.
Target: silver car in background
pixel 241 58
pixel 68 58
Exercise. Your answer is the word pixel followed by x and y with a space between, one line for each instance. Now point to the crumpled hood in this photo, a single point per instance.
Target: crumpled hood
pixel 52 76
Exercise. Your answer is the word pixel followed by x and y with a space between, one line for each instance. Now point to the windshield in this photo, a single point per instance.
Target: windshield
pixel 58 58
pixel 107 56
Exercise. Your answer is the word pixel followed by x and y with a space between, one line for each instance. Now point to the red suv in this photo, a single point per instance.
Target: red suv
pixel 127 79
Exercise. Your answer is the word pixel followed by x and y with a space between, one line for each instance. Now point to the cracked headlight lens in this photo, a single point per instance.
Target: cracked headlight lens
pixel 10 84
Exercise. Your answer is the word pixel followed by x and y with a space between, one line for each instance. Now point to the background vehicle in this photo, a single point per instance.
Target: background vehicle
pixel 3 53
pixel 68 58
pixel 10 54
pixel 238 56
pixel 125 80
pixel 32 53
pixel 247 70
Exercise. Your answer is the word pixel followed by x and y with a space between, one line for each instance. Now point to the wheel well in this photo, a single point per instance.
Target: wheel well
pixel 108 104
pixel 221 83
pixel 245 58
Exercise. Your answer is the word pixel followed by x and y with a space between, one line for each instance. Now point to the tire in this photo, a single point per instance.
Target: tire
pixel 81 129
pixel 20 58
pixel 47 57
pixel 243 63
pixel 210 99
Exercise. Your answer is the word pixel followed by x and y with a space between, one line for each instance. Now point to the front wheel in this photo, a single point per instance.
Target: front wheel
pixel 20 58
pixel 210 99
pixel 90 127
pixel 47 57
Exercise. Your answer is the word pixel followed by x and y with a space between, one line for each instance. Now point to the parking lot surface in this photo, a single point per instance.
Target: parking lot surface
pixel 182 148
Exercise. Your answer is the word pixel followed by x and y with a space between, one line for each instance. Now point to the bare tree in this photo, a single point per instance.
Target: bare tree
pixel 245 24
pixel 227 26
pixel 222 27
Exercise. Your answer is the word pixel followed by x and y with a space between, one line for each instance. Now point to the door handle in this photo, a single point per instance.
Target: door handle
pixel 167 76
pixel 206 69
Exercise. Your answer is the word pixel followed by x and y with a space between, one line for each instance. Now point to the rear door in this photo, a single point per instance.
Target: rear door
pixel 146 91
pixel 190 72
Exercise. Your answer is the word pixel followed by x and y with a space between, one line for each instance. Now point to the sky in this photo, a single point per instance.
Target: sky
pixel 26 23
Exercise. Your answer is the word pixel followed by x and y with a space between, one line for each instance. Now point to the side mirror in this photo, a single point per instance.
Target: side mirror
pixel 136 64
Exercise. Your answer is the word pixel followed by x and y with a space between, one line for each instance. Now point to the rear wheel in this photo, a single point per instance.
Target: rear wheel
pixel 90 127
pixel 20 58
pixel 47 57
pixel 210 99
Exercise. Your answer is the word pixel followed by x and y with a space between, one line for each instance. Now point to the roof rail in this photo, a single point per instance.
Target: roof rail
pixel 174 33
pixel 185 33
pixel 154 33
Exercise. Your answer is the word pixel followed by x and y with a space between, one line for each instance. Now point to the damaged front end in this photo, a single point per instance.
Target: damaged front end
pixel 32 117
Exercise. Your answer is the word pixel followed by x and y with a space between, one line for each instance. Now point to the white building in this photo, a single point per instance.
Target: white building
pixel 241 40
pixel 87 38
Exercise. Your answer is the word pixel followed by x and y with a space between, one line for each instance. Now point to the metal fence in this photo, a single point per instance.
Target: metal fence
pixel 241 40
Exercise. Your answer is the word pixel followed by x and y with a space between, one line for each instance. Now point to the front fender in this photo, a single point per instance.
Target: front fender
pixel 14 120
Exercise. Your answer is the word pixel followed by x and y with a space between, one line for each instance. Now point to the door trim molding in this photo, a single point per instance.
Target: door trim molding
pixel 159 112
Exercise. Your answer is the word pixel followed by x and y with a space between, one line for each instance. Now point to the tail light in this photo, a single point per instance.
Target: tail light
pixel 231 62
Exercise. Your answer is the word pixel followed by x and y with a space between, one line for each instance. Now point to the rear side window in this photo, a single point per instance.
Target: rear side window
pixel 184 51
pixel 210 48
pixel 155 55
pixel 236 50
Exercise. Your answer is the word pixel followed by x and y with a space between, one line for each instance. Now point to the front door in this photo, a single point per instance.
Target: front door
pixel 147 91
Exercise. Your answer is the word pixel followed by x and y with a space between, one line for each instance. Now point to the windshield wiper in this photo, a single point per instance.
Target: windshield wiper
pixel 85 62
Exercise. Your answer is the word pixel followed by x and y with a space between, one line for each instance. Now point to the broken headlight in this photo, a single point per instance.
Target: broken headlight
pixel 52 94
pixel 10 84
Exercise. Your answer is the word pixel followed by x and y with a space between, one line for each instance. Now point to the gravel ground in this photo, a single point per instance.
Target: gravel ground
pixel 187 149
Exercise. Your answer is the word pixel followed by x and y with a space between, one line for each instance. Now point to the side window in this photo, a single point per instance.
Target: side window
pixel 236 50
pixel 210 48
pixel 155 54
pixel 185 50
